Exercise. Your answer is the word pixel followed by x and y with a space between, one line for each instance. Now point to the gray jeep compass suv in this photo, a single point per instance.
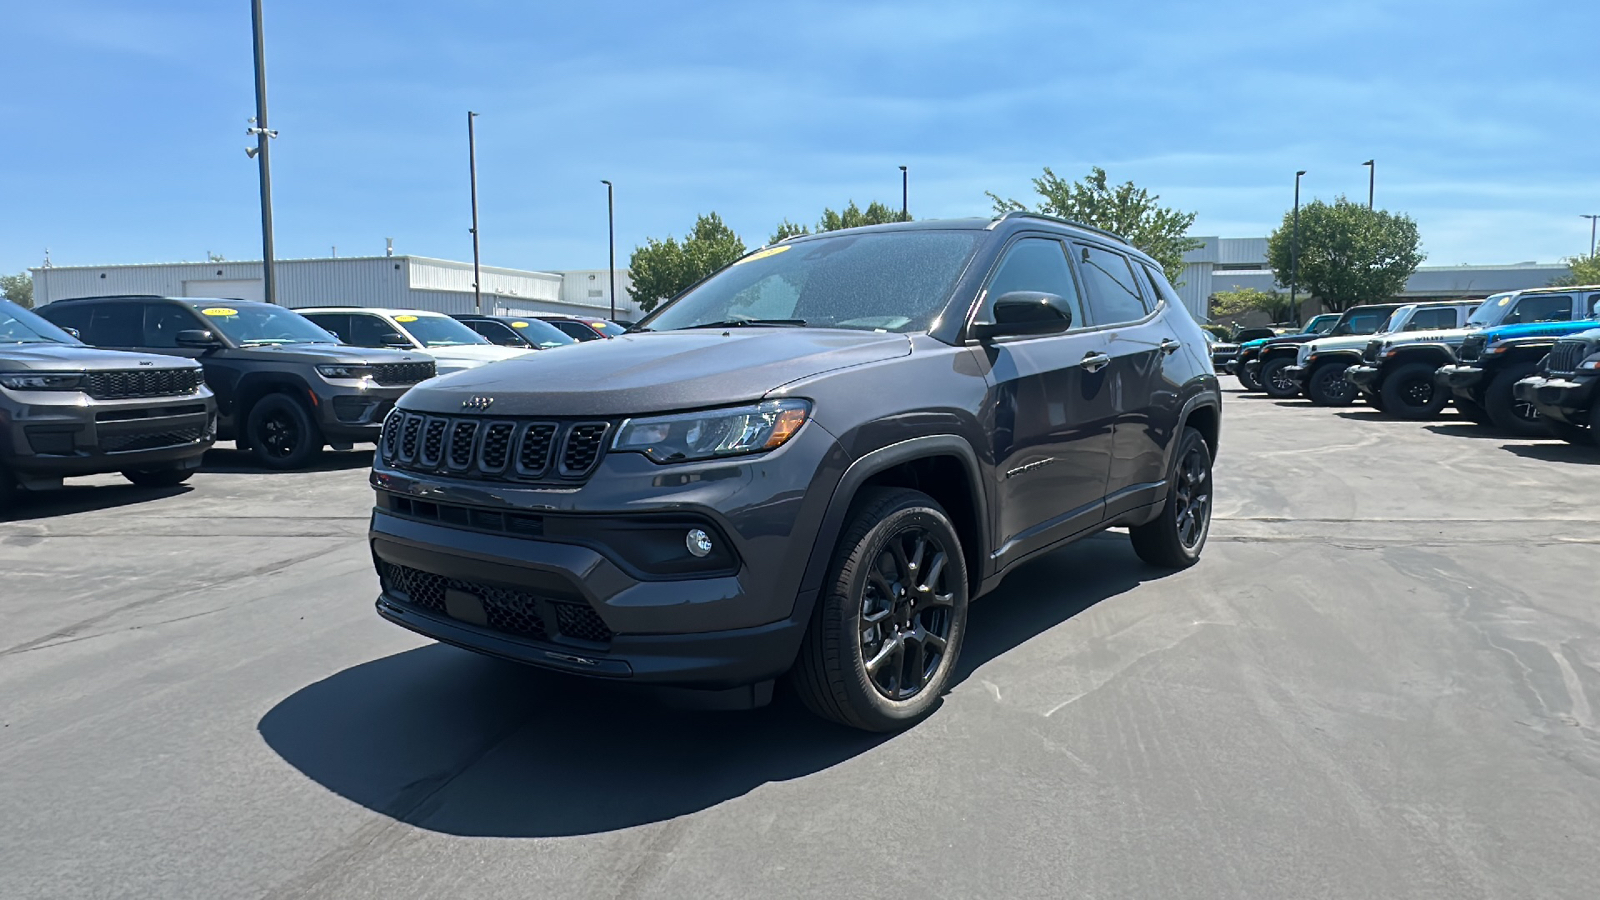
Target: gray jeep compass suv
pixel 67 409
pixel 806 465
pixel 285 387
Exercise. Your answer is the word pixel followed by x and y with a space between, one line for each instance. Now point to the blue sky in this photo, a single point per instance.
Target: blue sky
pixel 124 121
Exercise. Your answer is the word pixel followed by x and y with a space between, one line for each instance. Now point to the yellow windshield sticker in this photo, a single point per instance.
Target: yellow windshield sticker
pixel 519 324
pixel 219 311
pixel 405 318
pixel 1504 301
pixel 763 254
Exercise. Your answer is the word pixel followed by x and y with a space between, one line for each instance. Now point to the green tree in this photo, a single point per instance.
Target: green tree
pixel 1126 210
pixel 661 269
pixel 1585 270
pixel 787 229
pixel 18 289
pixel 1349 254
pixel 1242 301
pixel 854 217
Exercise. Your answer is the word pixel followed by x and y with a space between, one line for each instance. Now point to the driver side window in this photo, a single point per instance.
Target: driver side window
pixel 1035 264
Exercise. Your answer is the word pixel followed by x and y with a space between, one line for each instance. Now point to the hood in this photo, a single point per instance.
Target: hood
pixel 1536 329
pixel 475 353
pixel 327 353
pixel 76 358
pixel 1342 342
pixel 1453 336
pixel 657 372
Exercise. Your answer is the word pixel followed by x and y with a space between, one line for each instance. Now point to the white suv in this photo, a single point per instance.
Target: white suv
pixel 453 346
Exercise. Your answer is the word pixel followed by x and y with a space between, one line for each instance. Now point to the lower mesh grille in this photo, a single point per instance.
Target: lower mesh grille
pixel 509 611
pixel 582 623
pixel 155 440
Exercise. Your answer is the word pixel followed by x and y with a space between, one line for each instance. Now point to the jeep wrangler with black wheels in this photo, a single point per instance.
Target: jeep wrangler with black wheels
pixel 285 387
pixel 1566 392
pixel 808 465
pixel 1289 359
pixel 1397 365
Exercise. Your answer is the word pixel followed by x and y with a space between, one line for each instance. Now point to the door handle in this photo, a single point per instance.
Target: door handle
pixel 1170 346
pixel 1094 362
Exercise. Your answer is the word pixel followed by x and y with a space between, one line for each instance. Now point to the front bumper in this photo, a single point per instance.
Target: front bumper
pixel 1565 400
pixel 1461 379
pixel 1367 378
pixel 355 416
pixel 50 434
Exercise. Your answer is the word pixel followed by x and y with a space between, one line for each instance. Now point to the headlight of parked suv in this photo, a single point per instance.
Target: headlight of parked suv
pixel 345 371
pixel 714 433
pixel 1592 364
pixel 42 381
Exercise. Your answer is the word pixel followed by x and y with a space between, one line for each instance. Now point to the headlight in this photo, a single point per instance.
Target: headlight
pixel 345 371
pixel 1592 364
pixel 714 433
pixel 42 381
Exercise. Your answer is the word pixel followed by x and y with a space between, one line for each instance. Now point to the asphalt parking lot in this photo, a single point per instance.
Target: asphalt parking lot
pixel 1383 680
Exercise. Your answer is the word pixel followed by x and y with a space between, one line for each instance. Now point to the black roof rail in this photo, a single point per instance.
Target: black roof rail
pixel 113 297
pixel 1029 214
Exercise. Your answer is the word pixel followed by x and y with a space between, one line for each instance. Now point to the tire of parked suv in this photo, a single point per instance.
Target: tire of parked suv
pixel 1276 382
pixel 1176 537
pixel 1327 386
pixel 1250 384
pixel 1471 410
pixel 1409 392
pixel 1503 406
pixel 1566 431
pixel 1376 402
pixel 282 435
pixel 168 477
pixel 896 596
pixel 8 490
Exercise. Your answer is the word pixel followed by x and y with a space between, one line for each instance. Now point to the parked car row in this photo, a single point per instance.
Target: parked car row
pixel 1525 362
pixel 143 385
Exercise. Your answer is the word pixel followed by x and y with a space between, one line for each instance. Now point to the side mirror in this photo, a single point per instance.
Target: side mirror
pixel 196 337
pixel 1022 313
pixel 73 332
pixel 394 339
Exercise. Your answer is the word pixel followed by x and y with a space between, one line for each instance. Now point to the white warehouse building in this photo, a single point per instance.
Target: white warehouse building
pixel 403 282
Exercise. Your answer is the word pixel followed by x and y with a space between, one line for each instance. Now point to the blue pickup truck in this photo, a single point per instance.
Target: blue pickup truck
pixel 1566 392
pixel 1491 361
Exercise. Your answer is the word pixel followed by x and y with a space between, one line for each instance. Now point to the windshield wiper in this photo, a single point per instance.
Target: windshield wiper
pixel 745 323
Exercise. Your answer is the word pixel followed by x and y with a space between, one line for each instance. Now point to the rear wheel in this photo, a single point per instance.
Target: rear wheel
pixel 883 641
pixel 1471 410
pixel 1409 392
pixel 1276 380
pixel 1328 387
pixel 1243 374
pixel 1176 537
pixel 282 435
pixel 171 476
pixel 1519 417
pixel 1375 401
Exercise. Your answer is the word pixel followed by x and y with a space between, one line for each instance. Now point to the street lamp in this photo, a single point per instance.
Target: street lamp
pixel 1372 179
pixel 611 232
pixel 1294 248
pixel 904 194
pixel 263 135
pixel 472 173
pixel 1591 219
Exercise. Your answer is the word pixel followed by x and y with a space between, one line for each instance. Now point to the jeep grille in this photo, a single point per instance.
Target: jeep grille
pixel 1371 353
pixel 1565 356
pixel 495 449
pixel 402 373
pixel 124 385
pixel 1472 348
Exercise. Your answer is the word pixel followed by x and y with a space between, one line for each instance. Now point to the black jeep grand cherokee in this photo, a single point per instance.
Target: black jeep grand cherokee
pixel 807 464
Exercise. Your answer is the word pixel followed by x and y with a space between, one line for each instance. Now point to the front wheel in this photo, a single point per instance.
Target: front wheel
pixel 168 477
pixel 1176 537
pixel 1242 373
pixel 883 641
pixel 1409 392
pixel 282 435
pixel 1519 417
pixel 1276 380
pixel 1328 386
pixel 1470 410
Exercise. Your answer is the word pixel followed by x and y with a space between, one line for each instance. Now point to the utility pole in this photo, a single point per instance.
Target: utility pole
pixel 1591 219
pixel 264 136
pixel 904 195
pixel 1372 179
pixel 611 236
pixel 1294 250
pixel 472 171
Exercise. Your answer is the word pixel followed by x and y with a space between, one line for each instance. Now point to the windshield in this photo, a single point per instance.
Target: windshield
pixel 1361 322
pixel 439 331
pixel 260 323
pixel 605 327
pixel 887 281
pixel 1322 324
pixel 21 326
pixel 541 334
pixel 1398 319
pixel 1490 312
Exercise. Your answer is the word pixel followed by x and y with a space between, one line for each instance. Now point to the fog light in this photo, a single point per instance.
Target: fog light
pixel 698 542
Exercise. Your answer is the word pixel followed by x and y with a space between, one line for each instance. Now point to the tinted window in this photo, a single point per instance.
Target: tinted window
pixel 20 326
pixel 541 334
pixel 1594 306
pixel 497 333
pixel 163 321
pixel 1432 319
pixel 338 325
pixel 368 331
pixel 1541 308
pixel 69 315
pixel 582 332
pixel 1164 289
pixel 1113 293
pixel 1036 264
pixel 116 325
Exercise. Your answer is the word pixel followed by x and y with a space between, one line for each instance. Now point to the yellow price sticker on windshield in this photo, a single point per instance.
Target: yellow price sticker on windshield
pixel 763 254
pixel 1503 301
pixel 405 318
pixel 219 311
pixel 519 324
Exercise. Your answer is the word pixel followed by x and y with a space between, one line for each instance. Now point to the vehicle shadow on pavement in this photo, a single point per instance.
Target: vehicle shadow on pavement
pixel 462 744
pixel 1468 429
pixel 1557 452
pixel 73 499
pixel 226 460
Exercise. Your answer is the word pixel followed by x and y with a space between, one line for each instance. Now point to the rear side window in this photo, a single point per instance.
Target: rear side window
pixel 163 321
pixel 1113 293
pixel 116 325
pixel 1163 290
pixel 1432 319
pixel 368 331
pixel 1541 308
pixel 70 315
pixel 338 325
pixel 1036 264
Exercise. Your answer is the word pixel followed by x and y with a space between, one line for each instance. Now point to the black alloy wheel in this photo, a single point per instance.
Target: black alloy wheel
pixel 906 613
pixel 282 435
pixel 1329 387
pixel 1176 536
pixel 1409 392
pixel 1519 417
pixel 1276 380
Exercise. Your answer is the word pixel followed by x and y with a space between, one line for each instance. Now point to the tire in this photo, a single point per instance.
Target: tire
pixel 1276 382
pixel 10 492
pixel 1471 410
pixel 1566 431
pixel 1176 537
pixel 848 670
pixel 1506 411
pixel 1327 386
pixel 1375 401
pixel 168 477
pixel 282 435
pixel 1250 384
pixel 1594 423
pixel 1409 392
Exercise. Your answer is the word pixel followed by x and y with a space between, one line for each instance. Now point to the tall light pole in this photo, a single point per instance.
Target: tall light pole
pixel 1372 179
pixel 1294 250
pixel 1591 219
pixel 472 172
pixel 264 136
pixel 905 194
pixel 611 239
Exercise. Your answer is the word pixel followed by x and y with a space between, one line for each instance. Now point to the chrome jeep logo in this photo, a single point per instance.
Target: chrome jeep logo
pixel 477 404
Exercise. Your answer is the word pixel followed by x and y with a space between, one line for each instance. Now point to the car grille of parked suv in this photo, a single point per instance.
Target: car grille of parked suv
pixel 151 440
pixel 1371 354
pixel 507 610
pixel 1565 356
pixel 402 373
pixel 123 385
pixel 493 449
pixel 1472 348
